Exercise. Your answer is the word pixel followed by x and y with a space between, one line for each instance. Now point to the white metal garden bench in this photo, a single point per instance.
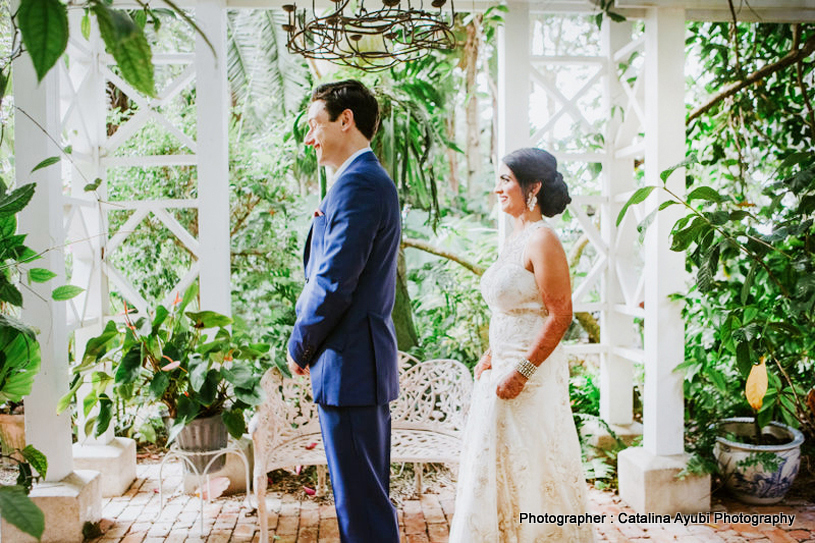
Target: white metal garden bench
pixel 427 420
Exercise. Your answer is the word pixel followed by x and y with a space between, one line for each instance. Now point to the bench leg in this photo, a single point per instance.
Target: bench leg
pixel 417 468
pixel 321 486
pixel 260 494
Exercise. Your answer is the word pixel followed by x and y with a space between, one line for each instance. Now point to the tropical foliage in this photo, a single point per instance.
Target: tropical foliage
pixel 169 358
pixel 748 229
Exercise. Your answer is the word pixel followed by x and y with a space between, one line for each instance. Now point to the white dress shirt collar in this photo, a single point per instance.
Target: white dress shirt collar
pixel 348 162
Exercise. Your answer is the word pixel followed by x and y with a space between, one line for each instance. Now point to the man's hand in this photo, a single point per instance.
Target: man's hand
pixel 511 386
pixel 484 364
pixel 294 367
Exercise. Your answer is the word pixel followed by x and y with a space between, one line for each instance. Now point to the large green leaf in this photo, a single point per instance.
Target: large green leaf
pixel 50 161
pixel 40 275
pixel 664 174
pixel 189 296
pixel 66 292
pixel 105 415
pixel 16 200
pixel 209 390
pixel 89 401
pixel 235 423
pixel 209 319
pixel 159 384
pixel 36 459
pixel 198 372
pixel 706 193
pixel 17 509
pixel 125 40
pixel 65 401
pixel 639 196
pixel 44 27
pixel 98 346
pixel 9 293
pixel 252 396
pixel 129 367
pixel 240 376
pixel 21 362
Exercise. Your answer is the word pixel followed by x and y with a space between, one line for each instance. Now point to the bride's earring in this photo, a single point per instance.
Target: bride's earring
pixel 530 202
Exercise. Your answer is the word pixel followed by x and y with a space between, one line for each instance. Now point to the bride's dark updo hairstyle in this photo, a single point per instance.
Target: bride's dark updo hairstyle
pixel 530 166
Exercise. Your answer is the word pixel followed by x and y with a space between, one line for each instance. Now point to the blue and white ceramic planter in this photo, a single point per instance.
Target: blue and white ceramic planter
pixel 760 474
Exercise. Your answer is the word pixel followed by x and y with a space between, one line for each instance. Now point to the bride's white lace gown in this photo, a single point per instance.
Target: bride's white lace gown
pixel 519 455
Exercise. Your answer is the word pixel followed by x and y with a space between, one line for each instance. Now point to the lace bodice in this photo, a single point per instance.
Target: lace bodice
pixel 513 297
pixel 507 286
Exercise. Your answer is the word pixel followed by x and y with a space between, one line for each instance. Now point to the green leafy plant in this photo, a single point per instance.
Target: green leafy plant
pixel 754 296
pixel 20 353
pixel 169 359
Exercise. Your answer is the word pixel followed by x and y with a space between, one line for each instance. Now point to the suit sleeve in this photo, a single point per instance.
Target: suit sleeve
pixel 349 235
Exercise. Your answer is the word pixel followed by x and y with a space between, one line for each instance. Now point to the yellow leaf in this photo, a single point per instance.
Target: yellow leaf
pixel 756 385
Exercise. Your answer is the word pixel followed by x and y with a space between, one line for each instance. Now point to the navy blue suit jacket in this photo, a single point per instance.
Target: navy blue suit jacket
pixel 344 331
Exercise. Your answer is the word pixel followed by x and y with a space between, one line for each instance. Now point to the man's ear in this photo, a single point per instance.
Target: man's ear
pixel 347 119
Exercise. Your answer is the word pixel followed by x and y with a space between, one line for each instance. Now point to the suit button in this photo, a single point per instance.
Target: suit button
pixel 306 279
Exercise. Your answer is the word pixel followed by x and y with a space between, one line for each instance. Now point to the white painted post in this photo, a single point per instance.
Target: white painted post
pixel 42 222
pixel 663 405
pixel 514 89
pixel 213 155
pixel 648 474
pixel 87 132
pixel 616 372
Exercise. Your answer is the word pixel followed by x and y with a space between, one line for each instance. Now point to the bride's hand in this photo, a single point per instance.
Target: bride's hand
pixel 511 386
pixel 484 364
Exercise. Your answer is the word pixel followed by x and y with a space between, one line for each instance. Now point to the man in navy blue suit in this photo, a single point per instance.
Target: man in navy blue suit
pixel 344 336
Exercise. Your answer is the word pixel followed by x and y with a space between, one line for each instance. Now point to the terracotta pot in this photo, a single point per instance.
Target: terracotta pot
pixel 12 434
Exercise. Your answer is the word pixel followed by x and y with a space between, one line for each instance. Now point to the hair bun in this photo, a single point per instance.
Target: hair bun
pixel 554 195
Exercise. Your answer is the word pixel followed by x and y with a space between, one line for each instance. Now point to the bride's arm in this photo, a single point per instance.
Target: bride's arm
pixel 548 261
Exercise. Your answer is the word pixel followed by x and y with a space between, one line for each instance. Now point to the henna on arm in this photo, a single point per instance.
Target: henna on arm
pixel 548 262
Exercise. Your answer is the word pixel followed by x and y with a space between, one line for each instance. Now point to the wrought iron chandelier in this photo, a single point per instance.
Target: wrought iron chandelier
pixel 371 40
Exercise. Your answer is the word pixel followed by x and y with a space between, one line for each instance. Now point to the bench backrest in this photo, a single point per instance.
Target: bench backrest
pixel 432 395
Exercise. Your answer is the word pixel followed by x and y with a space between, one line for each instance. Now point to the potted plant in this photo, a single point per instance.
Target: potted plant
pixel 758 465
pixel 204 382
pixel 749 320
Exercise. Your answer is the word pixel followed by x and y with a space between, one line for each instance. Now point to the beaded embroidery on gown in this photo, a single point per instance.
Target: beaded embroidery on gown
pixel 519 455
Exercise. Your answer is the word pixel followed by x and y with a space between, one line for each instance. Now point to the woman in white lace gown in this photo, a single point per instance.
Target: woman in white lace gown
pixel 521 452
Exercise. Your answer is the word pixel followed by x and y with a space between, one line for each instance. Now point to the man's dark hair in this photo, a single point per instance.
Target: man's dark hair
pixel 353 95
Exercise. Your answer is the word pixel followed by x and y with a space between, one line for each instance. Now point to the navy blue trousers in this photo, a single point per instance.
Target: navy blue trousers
pixel 358 447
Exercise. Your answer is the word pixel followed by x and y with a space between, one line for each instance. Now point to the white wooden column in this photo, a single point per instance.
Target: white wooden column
pixel 42 222
pixel 648 474
pixel 86 128
pixel 213 154
pixel 514 89
pixel 616 329
pixel 663 405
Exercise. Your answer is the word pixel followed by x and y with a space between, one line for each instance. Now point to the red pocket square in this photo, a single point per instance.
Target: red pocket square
pixel 318 213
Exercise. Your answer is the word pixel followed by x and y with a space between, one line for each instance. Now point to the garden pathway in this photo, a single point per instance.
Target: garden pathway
pixel 136 518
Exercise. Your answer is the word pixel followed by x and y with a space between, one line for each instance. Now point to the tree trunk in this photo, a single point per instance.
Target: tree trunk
pixel 471 49
pixel 402 314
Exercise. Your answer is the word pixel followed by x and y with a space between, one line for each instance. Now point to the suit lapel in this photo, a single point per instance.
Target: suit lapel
pixel 307 248
pixel 363 158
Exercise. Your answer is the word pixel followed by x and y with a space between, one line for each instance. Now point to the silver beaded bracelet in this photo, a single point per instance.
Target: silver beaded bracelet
pixel 526 368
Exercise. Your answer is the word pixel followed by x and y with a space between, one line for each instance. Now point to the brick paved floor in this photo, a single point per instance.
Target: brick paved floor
pixel 136 517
